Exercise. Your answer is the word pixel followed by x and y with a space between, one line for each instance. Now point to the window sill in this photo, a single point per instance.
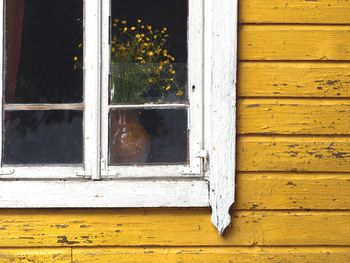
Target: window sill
pixel 109 193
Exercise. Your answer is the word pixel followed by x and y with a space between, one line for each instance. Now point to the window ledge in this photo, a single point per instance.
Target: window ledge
pixel 109 193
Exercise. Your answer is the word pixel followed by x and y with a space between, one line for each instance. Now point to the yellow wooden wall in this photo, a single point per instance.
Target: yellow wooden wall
pixel 293 183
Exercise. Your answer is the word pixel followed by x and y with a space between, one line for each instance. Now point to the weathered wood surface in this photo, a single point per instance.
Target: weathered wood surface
pixel 43 106
pixel 291 153
pixel 294 116
pixel 170 227
pixel 288 79
pixel 294 42
pixel 43 255
pixel 295 11
pixel 258 191
pixel 210 255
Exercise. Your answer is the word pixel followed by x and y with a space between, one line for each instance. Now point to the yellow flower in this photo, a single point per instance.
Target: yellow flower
pixel 113 49
pixel 150 53
pixel 125 29
pixel 165 53
pixel 172 72
pixel 167 88
pixel 149 27
pixel 150 80
pixel 139 20
pixel 179 93
pixel 123 22
pixel 160 67
pixel 75 58
pixel 139 58
pixel 133 28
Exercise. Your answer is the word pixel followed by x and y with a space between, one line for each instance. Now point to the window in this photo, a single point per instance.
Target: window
pixel 110 106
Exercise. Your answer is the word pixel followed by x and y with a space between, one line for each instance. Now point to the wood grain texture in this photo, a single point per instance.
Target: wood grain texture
pixel 290 153
pixel 210 255
pixel 280 42
pixel 288 79
pixel 169 227
pixel 44 255
pixel 258 191
pixel 295 11
pixel 293 116
pixel 221 96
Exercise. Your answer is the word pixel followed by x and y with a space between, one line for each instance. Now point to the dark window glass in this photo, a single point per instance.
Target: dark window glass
pixel 43 137
pixel 43 46
pixel 148 136
pixel 148 51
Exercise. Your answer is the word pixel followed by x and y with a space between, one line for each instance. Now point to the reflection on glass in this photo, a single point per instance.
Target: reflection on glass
pixel 148 136
pixel 148 51
pixel 43 137
pixel 43 43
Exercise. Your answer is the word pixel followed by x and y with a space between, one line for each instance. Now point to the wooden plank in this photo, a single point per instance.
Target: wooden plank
pixel 293 116
pixel 290 153
pixel 257 191
pixel 169 227
pixel 295 11
pixel 210 255
pixel 281 42
pixel 45 255
pixel 44 106
pixel 278 79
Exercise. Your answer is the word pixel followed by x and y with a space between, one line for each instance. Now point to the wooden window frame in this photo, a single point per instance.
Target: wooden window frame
pixel 209 181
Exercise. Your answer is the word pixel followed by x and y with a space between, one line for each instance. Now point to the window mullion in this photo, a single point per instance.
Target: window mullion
pixel 105 78
pixel 92 87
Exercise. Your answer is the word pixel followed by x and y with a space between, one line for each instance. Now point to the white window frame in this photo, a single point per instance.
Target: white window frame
pixel 195 112
pixel 207 181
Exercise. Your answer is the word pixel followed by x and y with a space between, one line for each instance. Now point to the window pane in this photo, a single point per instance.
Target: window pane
pixel 148 136
pixel 43 137
pixel 149 51
pixel 43 48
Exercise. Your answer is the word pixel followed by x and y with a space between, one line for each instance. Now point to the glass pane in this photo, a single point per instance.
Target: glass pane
pixel 43 137
pixel 43 47
pixel 149 51
pixel 148 136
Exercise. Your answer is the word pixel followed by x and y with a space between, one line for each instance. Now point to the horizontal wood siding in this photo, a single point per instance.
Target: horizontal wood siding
pixel 295 11
pixel 210 255
pixel 293 181
pixel 294 42
pixel 41 255
pixel 171 227
pixel 294 79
